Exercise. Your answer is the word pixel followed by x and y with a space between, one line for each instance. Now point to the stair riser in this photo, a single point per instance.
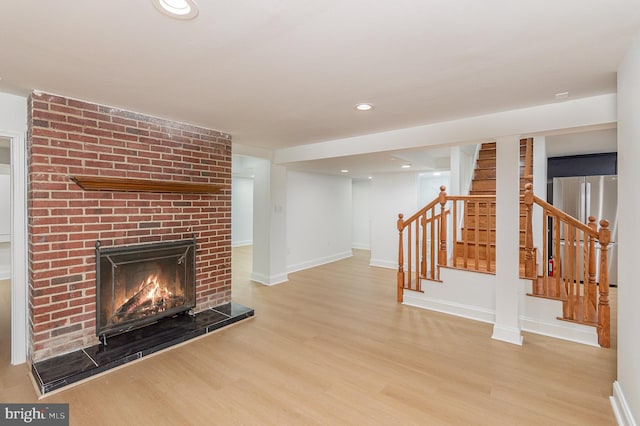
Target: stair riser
pixel 482 222
pixel 482 251
pixel 483 185
pixel 478 192
pixel 485 174
pixel 471 251
pixel 487 153
pixel 486 163
pixel 470 221
pixel 470 236
pixel 482 209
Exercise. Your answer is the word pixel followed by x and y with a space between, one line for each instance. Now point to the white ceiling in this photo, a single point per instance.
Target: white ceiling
pixel 365 165
pixel 281 73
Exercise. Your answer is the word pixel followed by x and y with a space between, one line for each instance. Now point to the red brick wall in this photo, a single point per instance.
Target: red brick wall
pixel 70 137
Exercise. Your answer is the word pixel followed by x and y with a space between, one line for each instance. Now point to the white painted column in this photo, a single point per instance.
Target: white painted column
pixel 507 327
pixel 540 190
pixel 269 223
pixel 626 388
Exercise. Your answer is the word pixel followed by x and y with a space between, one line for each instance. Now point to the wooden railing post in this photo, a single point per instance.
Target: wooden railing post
pixel 400 283
pixel 529 256
pixel 442 247
pixel 604 310
pixel 423 246
pixel 591 289
pixel 528 161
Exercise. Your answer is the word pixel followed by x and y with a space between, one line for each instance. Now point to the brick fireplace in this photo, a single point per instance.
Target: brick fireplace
pixel 69 137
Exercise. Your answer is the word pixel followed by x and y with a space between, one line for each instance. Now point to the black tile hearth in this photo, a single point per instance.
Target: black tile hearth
pixel 55 373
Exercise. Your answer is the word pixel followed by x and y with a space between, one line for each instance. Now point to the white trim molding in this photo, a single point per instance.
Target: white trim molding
pixel 319 261
pixel 507 334
pixel 269 280
pixel 382 263
pixel 621 409
pixel 475 313
pixel 19 254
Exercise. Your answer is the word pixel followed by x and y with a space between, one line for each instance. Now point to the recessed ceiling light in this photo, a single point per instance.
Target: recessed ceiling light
pixel 364 107
pixel 344 171
pixel 179 9
pixel 436 173
pixel 406 166
pixel 370 177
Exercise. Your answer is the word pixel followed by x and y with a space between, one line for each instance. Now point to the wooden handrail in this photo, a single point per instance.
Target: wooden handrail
pixel 573 281
pixel 563 216
pixel 420 212
pixel 423 260
pixel 574 249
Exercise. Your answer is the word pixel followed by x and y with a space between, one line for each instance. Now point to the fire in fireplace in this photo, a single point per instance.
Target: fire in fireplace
pixel 138 285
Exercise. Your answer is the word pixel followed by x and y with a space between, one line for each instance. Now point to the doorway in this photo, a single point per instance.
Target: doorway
pixel 5 249
pixel 16 294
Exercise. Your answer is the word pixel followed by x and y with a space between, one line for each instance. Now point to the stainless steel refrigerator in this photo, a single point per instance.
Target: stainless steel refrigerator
pixel 597 196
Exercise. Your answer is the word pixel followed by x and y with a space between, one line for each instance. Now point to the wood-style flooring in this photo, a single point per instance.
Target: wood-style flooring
pixel 331 346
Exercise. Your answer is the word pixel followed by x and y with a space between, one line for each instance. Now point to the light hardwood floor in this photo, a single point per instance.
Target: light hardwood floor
pixel 331 346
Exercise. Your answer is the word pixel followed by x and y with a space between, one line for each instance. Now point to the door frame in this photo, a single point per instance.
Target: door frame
pixel 19 283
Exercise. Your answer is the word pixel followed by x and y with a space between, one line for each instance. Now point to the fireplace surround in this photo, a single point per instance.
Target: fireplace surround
pixel 139 284
pixel 138 180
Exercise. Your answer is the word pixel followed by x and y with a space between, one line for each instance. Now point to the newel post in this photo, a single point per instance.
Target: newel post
pixel 400 225
pixel 529 257
pixel 604 310
pixel 591 279
pixel 442 232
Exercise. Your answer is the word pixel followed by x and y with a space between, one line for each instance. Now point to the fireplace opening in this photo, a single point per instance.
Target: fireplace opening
pixel 138 285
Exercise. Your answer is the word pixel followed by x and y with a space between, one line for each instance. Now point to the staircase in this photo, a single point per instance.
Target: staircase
pixel 455 233
pixel 479 221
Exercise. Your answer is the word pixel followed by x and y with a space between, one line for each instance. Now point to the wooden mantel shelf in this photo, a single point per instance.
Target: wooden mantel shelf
pixel 101 183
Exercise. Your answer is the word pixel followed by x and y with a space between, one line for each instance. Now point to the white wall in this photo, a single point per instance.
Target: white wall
pixel 13 113
pixel 391 194
pixel 429 186
pixel 241 211
pixel 627 387
pixel 361 225
pixel 5 154
pixel 319 218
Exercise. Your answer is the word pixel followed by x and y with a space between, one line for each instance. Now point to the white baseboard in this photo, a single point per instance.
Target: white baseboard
pixel 621 409
pixel 476 313
pixel 269 280
pixel 572 332
pixel 381 263
pixel 241 243
pixel 319 261
pixel 507 334
pixel 361 246
pixel 540 316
